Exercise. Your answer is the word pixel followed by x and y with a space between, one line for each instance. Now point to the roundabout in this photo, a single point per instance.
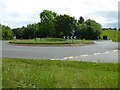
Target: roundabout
pixel 101 51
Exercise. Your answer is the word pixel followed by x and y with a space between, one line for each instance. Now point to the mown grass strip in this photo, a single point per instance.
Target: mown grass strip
pixel 51 41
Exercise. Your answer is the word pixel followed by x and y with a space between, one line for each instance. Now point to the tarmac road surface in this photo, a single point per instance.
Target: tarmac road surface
pixel 101 51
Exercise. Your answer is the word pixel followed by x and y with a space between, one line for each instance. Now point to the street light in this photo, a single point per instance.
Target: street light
pixel 34 35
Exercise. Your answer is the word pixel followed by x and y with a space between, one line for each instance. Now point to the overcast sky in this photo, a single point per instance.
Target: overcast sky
pixel 18 13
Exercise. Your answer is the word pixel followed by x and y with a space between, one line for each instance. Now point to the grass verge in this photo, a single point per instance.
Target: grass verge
pixel 51 41
pixel 112 35
pixel 0 73
pixel 31 73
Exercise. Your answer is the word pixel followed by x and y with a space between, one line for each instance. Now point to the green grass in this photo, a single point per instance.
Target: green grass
pixel 51 41
pixel 112 35
pixel 28 73
pixel 0 73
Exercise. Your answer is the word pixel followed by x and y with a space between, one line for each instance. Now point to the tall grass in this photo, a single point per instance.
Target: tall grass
pixel 31 73
pixel 0 73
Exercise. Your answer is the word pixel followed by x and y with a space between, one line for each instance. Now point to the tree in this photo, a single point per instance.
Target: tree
pixel 0 31
pixel 48 22
pixel 64 25
pixel 81 20
pixel 7 33
pixel 53 25
pixel 41 31
pixel 77 29
pixel 30 31
pixel 91 29
pixel 18 32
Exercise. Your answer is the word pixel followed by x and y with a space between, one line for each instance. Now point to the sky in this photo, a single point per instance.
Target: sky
pixel 18 13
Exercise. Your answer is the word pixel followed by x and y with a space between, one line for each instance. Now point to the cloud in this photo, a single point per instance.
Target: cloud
pixel 16 13
pixel 114 24
pixel 106 18
pixel 113 15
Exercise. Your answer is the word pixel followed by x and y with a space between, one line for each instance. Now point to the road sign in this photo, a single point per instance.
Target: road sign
pixel 64 37
pixel 14 37
pixel 74 37
pixel 71 37
pixel 67 37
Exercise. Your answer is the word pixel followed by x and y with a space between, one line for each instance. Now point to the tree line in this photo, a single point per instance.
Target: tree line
pixel 54 25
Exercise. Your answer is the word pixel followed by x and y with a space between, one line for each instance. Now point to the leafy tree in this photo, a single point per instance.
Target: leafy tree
pixel 28 32
pixel 77 29
pixel 18 32
pixel 7 33
pixel 81 20
pixel 91 30
pixel 47 22
pixel 0 31
pixel 64 25
pixel 54 25
pixel 41 31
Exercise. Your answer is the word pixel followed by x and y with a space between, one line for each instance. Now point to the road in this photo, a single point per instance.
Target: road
pixel 102 51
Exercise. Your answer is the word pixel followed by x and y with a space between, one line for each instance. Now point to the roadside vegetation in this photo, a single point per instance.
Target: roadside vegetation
pixel 55 26
pixel 112 34
pixel 31 73
pixel 6 32
pixel 0 73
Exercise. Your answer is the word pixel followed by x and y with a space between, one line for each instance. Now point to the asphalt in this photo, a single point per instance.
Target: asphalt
pixel 101 51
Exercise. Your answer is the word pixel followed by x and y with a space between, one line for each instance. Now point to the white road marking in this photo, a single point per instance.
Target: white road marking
pixel 68 57
pixel 115 50
pixel 96 42
pixel 83 55
pixel 96 53
pixel 107 52
pixel 52 59
pixel 71 57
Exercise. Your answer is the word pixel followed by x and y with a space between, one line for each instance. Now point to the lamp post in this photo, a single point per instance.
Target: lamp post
pixel 34 35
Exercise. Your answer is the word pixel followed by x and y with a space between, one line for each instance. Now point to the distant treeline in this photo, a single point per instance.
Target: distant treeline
pixel 110 29
pixel 54 25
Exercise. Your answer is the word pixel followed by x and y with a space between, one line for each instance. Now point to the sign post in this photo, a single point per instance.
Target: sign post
pixel 14 37
pixel 71 38
pixel 64 37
